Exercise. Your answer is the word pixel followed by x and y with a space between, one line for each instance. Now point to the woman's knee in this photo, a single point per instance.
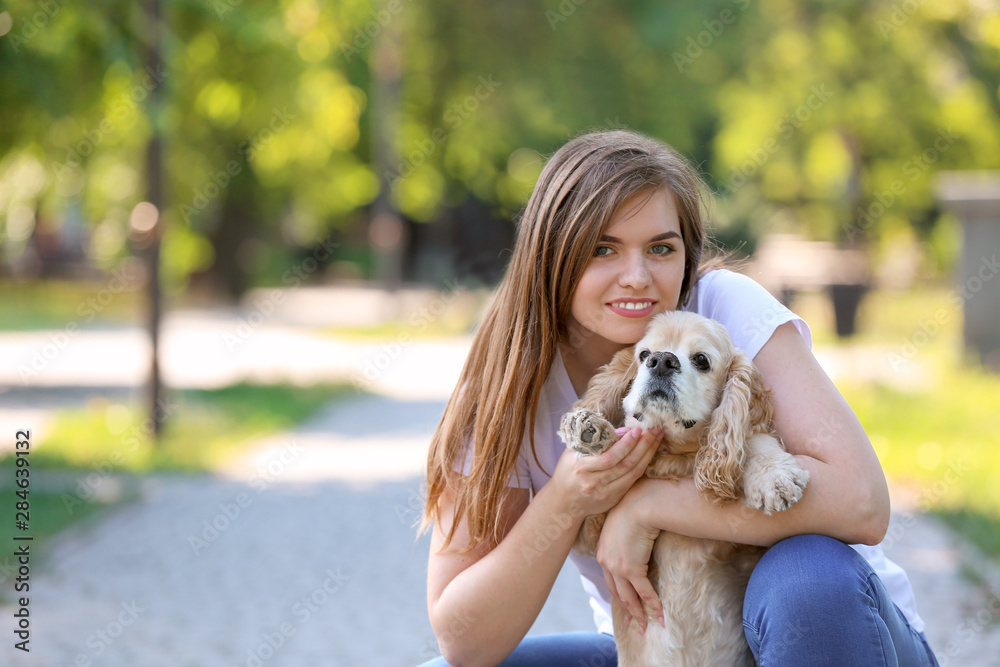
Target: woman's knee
pixel 810 573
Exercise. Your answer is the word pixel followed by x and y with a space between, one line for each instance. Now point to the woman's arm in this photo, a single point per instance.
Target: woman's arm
pixel 846 498
pixel 483 602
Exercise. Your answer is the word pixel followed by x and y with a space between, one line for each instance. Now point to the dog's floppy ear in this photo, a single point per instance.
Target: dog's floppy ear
pixel 743 411
pixel 608 388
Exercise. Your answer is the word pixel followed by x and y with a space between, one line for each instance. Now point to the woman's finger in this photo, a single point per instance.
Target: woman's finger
pixel 631 602
pixel 614 454
pixel 636 460
pixel 652 606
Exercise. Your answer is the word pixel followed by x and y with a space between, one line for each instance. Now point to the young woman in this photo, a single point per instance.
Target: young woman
pixel 611 236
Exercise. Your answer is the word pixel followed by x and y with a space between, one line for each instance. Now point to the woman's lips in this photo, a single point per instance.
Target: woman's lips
pixel 632 308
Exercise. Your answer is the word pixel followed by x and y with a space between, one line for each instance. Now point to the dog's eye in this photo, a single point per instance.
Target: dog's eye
pixel 643 355
pixel 700 362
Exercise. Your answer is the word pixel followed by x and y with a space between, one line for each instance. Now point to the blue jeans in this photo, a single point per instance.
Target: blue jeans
pixel 566 649
pixel 812 600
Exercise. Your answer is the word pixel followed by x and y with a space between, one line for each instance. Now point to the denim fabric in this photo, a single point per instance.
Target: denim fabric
pixel 812 600
pixel 568 649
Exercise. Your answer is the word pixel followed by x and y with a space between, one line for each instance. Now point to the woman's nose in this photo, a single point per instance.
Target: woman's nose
pixel 635 273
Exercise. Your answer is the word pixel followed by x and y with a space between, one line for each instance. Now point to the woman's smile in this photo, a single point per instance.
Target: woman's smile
pixel 632 307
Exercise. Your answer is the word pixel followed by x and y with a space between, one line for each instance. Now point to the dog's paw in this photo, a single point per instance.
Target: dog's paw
pixel 776 486
pixel 586 432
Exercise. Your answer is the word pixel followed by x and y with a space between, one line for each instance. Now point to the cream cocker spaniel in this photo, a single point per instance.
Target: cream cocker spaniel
pixel 686 376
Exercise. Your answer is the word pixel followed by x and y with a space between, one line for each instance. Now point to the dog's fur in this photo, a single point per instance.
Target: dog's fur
pixel 716 423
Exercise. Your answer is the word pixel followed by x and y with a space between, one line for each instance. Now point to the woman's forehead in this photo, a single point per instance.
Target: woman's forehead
pixel 649 210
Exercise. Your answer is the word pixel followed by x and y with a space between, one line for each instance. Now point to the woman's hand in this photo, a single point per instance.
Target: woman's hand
pixel 623 551
pixel 594 484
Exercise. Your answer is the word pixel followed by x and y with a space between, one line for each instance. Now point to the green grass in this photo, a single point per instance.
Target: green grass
pixel 204 429
pixel 941 436
pixel 54 304
pixel 945 444
pixel 49 511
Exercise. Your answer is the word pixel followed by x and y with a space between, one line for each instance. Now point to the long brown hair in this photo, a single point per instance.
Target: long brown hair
pixel 495 401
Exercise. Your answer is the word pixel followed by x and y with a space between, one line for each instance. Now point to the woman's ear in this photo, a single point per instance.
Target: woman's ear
pixel 743 411
pixel 608 388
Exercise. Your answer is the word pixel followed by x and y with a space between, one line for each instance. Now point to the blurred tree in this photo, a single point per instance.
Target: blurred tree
pixel 842 114
pixel 262 131
pixel 826 116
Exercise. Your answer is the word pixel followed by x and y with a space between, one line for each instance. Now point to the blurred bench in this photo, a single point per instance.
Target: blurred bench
pixel 785 264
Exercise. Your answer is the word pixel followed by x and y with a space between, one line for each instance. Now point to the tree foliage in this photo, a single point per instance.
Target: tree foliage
pixel 826 117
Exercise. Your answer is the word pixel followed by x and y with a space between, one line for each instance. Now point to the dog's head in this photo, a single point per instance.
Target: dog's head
pixel 705 393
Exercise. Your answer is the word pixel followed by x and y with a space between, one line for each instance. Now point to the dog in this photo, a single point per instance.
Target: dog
pixel 687 377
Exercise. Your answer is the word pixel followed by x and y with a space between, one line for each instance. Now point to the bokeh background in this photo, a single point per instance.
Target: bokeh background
pixel 231 226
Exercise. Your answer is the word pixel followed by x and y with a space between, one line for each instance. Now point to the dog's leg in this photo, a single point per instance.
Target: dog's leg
pixel 590 533
pixel 772 479
pixel 586 432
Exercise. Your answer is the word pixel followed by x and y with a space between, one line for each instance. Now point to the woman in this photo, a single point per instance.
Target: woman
pixel 611 236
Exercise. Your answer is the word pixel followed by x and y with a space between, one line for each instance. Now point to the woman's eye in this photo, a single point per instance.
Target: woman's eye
pixel 661 249
pixel 700 362
pixel 602 250
pixel 643 355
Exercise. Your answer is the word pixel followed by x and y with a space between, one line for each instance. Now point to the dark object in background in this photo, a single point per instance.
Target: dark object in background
pixel 470 243
pixel 846 300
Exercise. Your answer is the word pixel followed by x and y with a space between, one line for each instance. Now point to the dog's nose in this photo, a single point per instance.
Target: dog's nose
pixel 663 363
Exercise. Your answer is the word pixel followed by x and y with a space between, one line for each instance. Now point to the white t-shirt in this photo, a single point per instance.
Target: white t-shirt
pixel 750 315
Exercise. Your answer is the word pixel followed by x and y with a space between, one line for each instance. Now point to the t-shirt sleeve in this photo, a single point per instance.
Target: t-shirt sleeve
pixel 748 311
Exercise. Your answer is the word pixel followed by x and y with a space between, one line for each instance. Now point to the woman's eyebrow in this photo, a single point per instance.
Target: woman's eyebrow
pixel 658 237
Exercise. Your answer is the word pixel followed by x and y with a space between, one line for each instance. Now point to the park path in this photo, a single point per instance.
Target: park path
pixel 303 552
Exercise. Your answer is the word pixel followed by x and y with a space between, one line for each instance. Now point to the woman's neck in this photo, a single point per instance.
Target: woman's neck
pixel 583 361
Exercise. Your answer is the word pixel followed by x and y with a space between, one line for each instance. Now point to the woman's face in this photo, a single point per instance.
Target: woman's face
pixel 636 272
